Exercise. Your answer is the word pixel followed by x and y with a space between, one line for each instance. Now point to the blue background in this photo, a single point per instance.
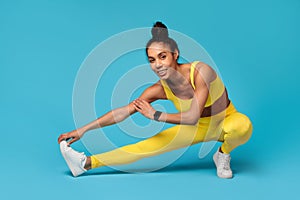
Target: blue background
pixel 254 43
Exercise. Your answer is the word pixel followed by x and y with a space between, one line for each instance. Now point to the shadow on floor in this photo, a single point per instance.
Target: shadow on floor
pixel 240 166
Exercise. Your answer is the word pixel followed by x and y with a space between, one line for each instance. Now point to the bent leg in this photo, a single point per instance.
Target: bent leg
pixel 170 139
pixel 237 130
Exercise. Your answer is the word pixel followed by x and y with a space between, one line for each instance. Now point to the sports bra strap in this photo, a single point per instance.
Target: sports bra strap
pixel 193 65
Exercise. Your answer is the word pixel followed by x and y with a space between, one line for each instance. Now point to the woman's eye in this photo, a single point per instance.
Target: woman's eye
pixel 163 56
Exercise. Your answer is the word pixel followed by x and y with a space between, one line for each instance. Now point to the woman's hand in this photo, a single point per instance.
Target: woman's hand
pixel 144 108
pixel 73 135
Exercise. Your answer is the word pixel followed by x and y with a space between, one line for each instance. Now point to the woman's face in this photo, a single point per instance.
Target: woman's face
pixel 162 60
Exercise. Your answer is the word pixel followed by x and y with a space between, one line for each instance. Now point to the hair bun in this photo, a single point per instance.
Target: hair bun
pixel 160 31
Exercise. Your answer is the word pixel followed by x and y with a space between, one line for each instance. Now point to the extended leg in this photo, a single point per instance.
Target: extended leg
pixel 170 139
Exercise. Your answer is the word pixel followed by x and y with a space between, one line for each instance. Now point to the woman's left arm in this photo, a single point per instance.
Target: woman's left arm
pixel 189 117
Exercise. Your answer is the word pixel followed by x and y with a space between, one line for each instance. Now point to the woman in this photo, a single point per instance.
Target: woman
pixel 205 113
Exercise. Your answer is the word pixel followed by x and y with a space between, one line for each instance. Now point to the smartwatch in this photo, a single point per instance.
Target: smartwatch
pixel 157 115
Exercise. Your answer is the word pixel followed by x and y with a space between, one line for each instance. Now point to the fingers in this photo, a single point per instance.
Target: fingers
pixel 137 105
pixel 73 136
pixel 65 137
pixel 72 141
pixel 62 137
pixel 140 103
pixel 137 108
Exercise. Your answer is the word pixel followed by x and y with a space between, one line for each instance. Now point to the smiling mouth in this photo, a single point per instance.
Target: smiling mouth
pixel 162 72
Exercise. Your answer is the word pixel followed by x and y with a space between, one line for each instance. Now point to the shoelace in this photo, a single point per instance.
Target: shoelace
pixel 224 162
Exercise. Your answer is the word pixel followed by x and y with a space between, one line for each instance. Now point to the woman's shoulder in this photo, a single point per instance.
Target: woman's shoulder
pixel 195 64
pixel 204 70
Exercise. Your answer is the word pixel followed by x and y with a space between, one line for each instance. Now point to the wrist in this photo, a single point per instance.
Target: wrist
pixel 81 131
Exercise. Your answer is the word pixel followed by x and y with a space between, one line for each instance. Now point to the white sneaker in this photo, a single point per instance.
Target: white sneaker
pixel 74 159
pixel 222 162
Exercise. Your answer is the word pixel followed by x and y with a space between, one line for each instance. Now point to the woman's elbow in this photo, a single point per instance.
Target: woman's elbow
pixel 192 120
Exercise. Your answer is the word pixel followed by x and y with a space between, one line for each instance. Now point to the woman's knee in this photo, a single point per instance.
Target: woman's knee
pixel 239 126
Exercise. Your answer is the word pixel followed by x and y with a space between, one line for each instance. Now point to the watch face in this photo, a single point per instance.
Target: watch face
pixel 157 115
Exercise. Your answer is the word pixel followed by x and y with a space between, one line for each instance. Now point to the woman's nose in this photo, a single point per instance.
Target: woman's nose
pixel 158 65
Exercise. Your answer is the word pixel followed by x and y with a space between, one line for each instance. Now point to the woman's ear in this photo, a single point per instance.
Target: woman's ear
pixel 176 54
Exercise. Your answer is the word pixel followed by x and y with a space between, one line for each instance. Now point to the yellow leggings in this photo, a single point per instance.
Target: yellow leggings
pixel 230 127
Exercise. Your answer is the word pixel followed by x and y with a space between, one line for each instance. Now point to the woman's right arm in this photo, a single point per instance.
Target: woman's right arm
pixel 117 115
pixel 112 117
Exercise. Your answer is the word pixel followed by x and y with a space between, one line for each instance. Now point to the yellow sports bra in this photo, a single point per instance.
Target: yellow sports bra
pixel 216 90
